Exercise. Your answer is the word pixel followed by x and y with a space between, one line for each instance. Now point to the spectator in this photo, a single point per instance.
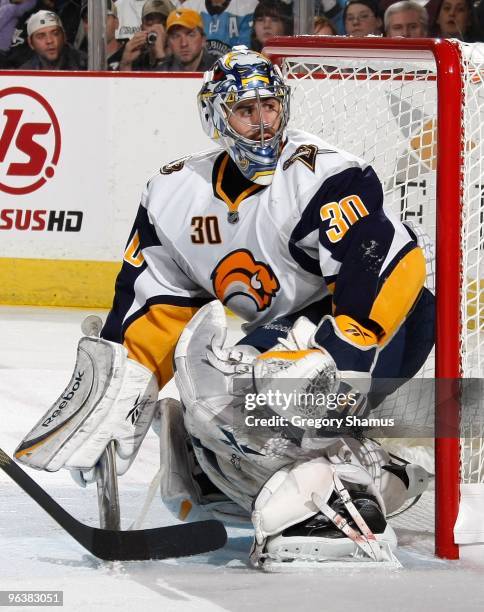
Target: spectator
pixel 47 40
pixel 271 18
pixel 114 47
pixel 20 50
pixel 156 12
pixel 407 19
pixel 333 11
pixel 146 49
pixel 226 22
pixel 323 26
pixel 187 43
pixel 361 18
pixel 456 19
pixel 10 13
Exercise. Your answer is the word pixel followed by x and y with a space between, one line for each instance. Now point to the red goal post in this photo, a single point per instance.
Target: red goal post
pixel 423 90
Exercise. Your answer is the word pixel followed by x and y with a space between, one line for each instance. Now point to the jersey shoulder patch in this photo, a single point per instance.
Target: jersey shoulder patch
pixel 306 154
pixel 175 166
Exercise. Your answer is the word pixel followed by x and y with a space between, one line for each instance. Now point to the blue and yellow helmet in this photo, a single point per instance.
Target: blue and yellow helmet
pixel 248 77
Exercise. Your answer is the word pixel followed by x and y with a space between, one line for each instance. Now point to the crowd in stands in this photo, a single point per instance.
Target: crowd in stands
pixel 177 35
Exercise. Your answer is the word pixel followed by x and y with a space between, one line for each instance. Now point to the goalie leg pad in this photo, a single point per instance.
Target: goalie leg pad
pixel 318 543
pixel 109 397
pixel 291 496
pixel 185 490
pixel 205 372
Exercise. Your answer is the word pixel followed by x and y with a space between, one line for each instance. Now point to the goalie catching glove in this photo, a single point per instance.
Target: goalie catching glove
pixel 109 397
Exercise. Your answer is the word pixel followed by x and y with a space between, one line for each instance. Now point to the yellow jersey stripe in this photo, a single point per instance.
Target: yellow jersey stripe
pixel 398 293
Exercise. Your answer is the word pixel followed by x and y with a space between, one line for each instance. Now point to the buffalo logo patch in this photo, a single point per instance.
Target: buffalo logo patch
pixel 238 274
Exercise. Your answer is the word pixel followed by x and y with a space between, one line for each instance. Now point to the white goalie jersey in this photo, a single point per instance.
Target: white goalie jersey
pixel 204 232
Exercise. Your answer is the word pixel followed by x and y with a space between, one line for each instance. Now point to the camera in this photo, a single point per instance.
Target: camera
pixel 151 38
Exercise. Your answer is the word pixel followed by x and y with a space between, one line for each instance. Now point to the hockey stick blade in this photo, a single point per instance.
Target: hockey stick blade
pixel 138 545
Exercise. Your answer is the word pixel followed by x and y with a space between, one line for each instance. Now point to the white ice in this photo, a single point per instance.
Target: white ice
pixel 37 352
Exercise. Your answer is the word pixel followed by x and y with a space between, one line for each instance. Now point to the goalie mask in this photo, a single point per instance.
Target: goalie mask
pixel 244 106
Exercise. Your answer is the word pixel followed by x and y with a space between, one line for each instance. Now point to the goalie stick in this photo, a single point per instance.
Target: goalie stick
pixel 160 543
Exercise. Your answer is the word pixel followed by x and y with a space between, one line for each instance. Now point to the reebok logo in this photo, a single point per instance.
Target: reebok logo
pixel 354 330
pixel 134 413
pixel 359 335
pixel 65 399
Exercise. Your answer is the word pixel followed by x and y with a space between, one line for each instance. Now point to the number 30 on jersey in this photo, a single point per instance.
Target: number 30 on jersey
pixel 342 215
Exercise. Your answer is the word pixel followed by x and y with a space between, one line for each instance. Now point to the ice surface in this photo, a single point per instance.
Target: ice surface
pixel 37 353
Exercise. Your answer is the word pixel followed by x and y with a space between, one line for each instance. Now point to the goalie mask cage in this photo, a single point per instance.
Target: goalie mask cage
pixel 414 109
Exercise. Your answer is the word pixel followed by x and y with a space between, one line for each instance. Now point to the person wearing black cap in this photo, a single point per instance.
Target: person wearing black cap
pixel 361 18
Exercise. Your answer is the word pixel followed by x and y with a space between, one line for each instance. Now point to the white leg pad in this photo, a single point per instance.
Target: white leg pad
pixel 285 499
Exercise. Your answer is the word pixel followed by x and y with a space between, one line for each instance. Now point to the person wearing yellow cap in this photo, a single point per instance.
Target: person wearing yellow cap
pixel 187 43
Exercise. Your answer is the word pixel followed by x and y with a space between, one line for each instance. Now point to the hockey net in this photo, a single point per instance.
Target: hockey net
pixel 414 109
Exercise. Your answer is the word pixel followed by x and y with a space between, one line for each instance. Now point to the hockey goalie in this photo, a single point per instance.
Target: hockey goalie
pixel 293 236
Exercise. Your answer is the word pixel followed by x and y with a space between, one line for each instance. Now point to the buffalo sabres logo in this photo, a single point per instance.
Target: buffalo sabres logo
pixel 174 166
pixel 239 275
pixel 305 154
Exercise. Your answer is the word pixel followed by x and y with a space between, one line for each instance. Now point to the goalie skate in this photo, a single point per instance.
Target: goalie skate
pixel 317 543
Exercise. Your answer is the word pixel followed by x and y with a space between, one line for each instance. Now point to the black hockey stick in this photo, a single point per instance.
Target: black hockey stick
pixel 161 543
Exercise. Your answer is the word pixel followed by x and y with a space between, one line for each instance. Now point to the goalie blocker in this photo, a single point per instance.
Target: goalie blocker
pixel 109 397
